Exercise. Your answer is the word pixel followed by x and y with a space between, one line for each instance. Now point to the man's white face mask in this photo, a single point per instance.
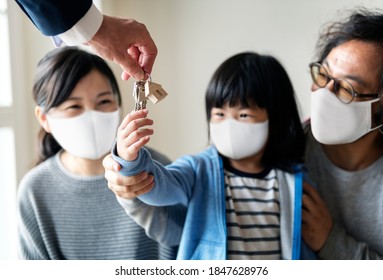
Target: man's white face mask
pixel 334 122
pixel 237 140
pixel 89 135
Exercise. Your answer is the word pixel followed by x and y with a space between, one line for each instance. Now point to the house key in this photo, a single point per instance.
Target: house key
pixel 139 95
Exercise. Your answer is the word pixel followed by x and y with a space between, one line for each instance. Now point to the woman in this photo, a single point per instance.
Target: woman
pixel 66 210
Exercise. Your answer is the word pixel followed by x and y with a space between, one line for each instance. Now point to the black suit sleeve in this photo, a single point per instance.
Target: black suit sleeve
pixel 54 17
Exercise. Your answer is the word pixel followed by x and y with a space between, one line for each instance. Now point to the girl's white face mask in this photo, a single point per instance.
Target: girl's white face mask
pixel 334 122
pixel 89 135
pixel 237 140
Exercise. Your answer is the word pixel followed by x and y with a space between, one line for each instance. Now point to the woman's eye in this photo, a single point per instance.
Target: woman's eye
pixel 73 107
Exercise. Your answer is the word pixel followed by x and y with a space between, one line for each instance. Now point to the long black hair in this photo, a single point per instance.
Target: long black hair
pixel 58 72
pixel 250 79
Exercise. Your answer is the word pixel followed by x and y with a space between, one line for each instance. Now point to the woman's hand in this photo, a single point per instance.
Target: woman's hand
pixel 126 186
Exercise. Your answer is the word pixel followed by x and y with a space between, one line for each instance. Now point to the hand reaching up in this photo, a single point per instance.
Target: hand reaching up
pixel 133 134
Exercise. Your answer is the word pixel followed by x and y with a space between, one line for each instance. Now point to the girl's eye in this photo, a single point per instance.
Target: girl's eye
pixel 73 107
pixel 219 114
pixel 105 101
pixel 244 115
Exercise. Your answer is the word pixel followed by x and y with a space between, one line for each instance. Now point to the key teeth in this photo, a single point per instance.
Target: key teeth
pixel 139 95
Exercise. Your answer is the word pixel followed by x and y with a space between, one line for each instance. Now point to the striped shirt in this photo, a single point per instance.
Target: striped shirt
pixel 252 215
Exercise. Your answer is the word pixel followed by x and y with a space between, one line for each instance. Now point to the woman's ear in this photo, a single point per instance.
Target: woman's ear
pixel 42 118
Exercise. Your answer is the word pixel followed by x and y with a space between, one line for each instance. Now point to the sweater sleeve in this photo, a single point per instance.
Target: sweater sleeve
pixel 341 246
pixel 162 224
pixel 173 184
pixel 30 241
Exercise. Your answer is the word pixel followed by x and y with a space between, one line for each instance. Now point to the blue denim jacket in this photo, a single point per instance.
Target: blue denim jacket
pixel 198 182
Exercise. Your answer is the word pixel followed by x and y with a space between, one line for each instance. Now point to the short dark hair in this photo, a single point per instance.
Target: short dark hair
pixel 361 24
pixel 252 79
pixel 58 72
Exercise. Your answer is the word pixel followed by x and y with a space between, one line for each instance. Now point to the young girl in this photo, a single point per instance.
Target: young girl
pixel 244 192
pixel 66 210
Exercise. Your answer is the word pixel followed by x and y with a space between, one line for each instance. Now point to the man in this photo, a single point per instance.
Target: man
pixel 344 154
pixel 74 22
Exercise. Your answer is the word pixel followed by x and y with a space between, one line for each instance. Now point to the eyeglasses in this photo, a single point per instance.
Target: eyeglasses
pixel 342 89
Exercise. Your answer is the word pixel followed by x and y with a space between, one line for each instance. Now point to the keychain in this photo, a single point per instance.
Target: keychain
pixel 146 89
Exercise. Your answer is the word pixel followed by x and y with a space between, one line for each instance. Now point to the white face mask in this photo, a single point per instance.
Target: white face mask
pixel 89 135
pixel 334 122
pixel 237 140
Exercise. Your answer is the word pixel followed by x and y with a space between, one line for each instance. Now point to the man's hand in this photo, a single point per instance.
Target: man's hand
pixel 127 43
pixel 316 218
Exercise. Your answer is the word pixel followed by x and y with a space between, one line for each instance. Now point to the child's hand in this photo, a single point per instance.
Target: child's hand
pixel 131 135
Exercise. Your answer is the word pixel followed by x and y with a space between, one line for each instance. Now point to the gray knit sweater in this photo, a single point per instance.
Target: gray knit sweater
pixel 64 216
pixel 355 200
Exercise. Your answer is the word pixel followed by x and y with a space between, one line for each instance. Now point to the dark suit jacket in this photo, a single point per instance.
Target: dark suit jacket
pixel 54 17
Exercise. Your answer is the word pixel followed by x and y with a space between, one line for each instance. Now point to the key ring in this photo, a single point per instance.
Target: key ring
pixel 149 77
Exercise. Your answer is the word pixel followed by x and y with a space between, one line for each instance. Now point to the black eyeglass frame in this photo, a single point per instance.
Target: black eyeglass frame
pixel 336 82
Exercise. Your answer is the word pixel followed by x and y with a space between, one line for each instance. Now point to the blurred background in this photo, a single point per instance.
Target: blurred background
pixel 193 38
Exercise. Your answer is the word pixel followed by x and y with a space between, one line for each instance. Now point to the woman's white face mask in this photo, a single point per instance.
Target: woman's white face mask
pixel 89 135
pixel 334 122
pixel 238 140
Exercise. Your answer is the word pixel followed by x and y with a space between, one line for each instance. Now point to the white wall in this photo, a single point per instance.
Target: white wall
pixel 193 38
pixel 27 47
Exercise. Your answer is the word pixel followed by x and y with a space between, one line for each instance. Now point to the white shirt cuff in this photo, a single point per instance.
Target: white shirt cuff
pixel 83 30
